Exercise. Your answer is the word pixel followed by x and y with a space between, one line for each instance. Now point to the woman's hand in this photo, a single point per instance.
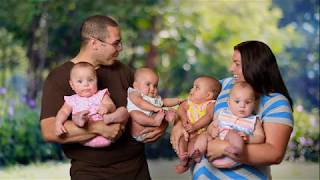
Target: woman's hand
pixel 152 134
pixel 216 148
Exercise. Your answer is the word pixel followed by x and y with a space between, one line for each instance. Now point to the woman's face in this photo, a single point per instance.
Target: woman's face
pixel 236 67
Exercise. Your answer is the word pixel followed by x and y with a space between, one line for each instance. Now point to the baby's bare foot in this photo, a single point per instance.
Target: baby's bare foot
pixel 181 169
pixel 170 115
pixel 196 156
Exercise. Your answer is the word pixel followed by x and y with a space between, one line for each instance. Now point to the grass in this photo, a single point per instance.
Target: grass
pixel 159 169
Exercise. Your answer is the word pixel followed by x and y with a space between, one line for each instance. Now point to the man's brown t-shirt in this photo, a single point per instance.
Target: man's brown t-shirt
pixel 117 78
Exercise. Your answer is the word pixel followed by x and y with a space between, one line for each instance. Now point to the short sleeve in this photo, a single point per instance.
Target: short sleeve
pixel 102 93
pixel 70 100
pixel 275 108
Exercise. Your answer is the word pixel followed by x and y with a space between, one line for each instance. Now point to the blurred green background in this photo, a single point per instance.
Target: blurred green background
pixel 180 39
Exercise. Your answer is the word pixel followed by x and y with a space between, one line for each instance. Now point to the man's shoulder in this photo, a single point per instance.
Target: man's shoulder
pixel 61 69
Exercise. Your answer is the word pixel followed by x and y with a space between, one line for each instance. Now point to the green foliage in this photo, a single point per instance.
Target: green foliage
pixel 305 141
pixel 13 60
pixel 180 39
pixel 21 140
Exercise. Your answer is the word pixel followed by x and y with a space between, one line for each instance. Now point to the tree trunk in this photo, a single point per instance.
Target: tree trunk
pixel 37 49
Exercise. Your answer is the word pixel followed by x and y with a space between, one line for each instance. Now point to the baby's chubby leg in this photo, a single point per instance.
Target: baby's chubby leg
pixel 144 120
pixel 118 116
pixel 183 156
pixel 170 115
pixel 200 146
pixel 236 143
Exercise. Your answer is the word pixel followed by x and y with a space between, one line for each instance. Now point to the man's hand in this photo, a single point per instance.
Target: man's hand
pixel 151 134
pixel 112 131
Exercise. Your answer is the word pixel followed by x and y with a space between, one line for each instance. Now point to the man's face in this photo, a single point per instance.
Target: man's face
pixel 110 47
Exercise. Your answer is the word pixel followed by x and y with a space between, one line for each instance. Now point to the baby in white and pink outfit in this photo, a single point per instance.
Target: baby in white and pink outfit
pixel 83 81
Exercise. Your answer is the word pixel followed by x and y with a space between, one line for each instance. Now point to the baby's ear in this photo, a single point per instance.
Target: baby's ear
pixel 71 84
pixel 134 85
pixel 210 95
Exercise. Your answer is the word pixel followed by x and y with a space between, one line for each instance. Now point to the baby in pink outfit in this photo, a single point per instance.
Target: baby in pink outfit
pixel 83 81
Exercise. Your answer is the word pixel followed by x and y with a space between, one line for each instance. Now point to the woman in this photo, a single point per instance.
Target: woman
pixel 254 63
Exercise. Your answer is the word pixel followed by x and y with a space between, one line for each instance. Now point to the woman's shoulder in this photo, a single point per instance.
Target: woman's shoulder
pixel 275 108
pixel 274 98
pixel 226 82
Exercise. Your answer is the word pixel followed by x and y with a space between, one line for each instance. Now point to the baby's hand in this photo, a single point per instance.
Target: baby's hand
pixel 243 136
pixel 102 110
pixel 180 101
pixel 189 128
pixel 157 109
pixel 60 130
pixel 186 135
pixel 214 132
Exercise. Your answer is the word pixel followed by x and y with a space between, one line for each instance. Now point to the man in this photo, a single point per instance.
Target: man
pixel 125 158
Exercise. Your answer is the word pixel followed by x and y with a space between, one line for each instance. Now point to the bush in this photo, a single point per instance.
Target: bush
pixel 304 142
pixel 21 140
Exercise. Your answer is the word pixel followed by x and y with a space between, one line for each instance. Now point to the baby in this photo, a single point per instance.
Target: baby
pixel 237 125
pixel 145 105
pixel 83 81
pixel 196 114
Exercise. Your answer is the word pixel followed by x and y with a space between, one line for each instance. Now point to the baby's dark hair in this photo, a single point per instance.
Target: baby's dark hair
pixel 82 65
pixel 213 84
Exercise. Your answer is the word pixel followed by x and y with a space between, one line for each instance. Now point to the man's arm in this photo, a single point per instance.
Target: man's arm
pixel 76 134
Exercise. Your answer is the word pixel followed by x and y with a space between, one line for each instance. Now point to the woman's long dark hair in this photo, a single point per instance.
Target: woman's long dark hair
pixel 260 68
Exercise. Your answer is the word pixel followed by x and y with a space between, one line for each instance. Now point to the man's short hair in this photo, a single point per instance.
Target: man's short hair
pixel 96 27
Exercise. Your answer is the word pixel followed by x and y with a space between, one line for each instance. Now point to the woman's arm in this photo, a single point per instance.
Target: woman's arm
pixel 270 152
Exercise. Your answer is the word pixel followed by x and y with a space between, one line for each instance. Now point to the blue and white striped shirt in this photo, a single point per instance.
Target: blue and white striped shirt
pixel 274 108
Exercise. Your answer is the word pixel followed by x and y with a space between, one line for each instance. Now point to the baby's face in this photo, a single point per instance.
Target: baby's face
pixel 199 92
pixel 147 83
pixel 241 102
pixel 84 82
